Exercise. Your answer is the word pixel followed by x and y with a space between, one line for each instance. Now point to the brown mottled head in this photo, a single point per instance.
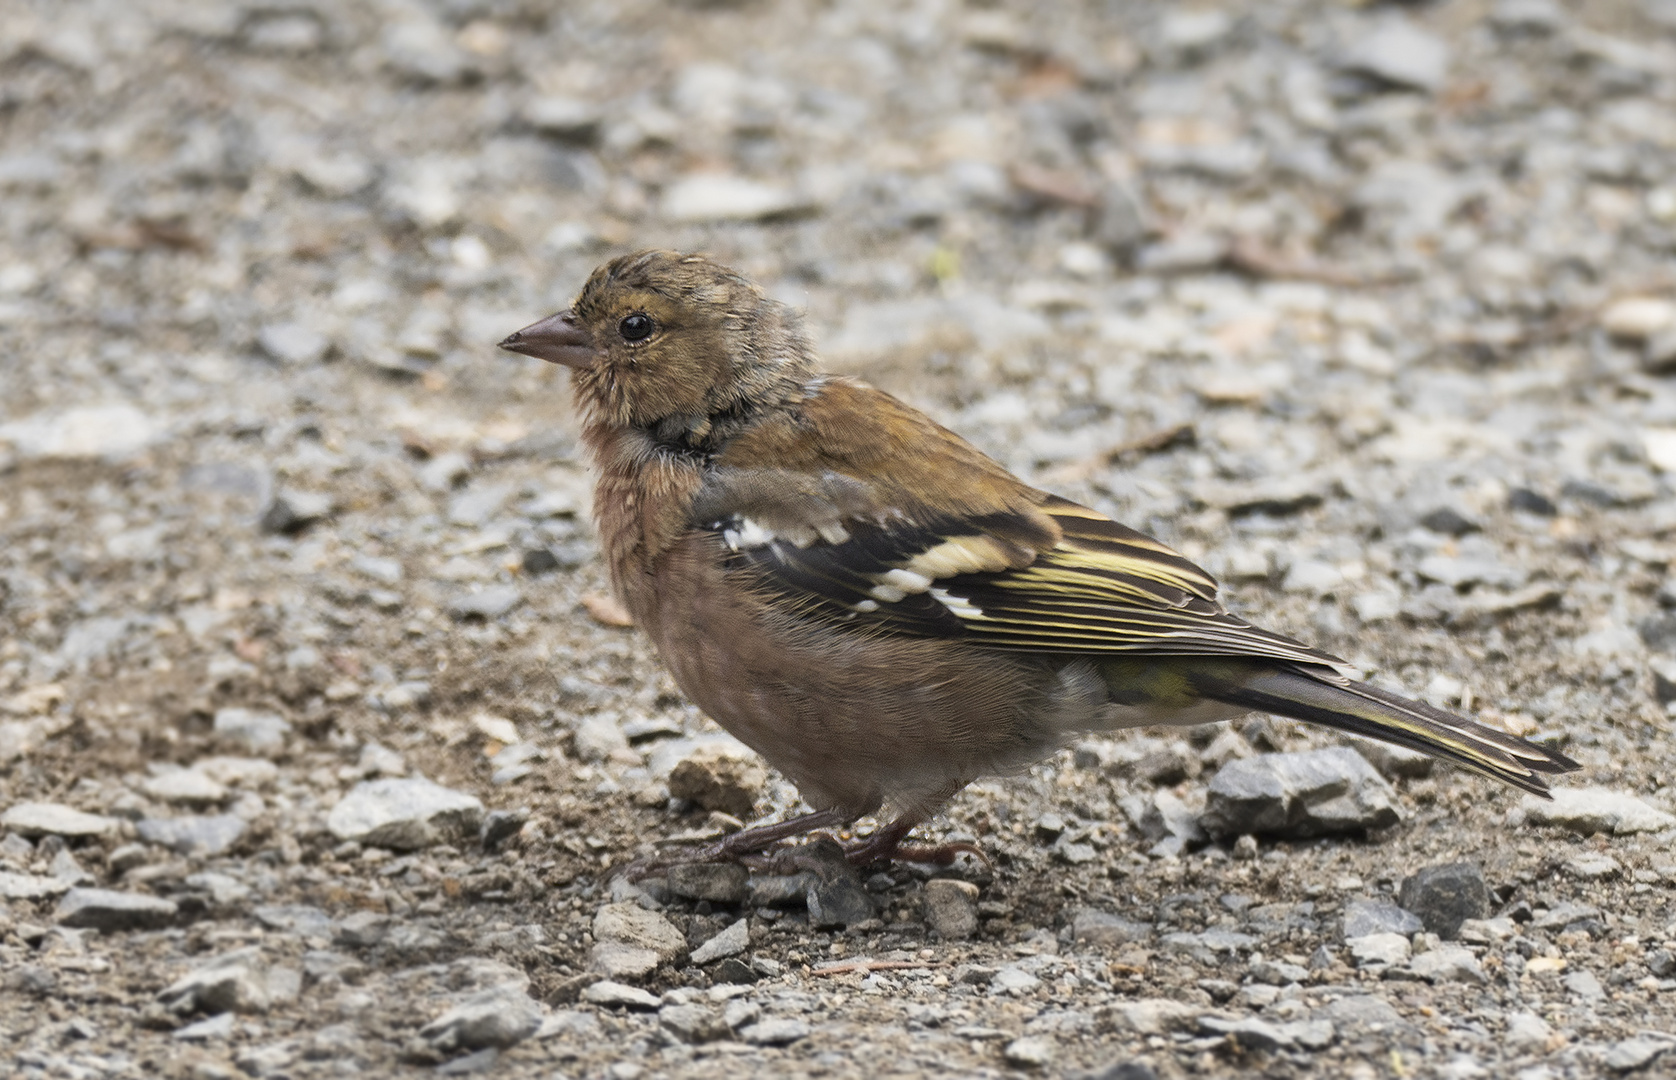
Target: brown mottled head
pixel 666 341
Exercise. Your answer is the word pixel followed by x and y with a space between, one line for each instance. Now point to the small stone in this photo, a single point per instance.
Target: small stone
pixel 498 1017
pixel 1585 985
pixel 195 834
pixel 1662 963
pixel 362 929
pixel 616 995
pixel 693 1023
pixel 183 786
pixel 296 344
pixel 259 733
pixel 734 972
pixel 404 814
pixel 1395 762
pixel 1449 521
pixel 1632 1054
pixel 719 777
pixel 951 908
pixel 215 1027
pixel 734 939
pixel 501 826
pixel 110 911
pixel 630 924
pixel 1527 1033
pixel 1250 1033
pixel 1277 972
pixel 1299 795
pixel 779 1031
pixel 1402 54
pixel 232 982
pixel 291 512
pixel 1030 1052
pixel 34 820
pixel 778 890
pixel 238 772
pixel 600 738
pixel 1448 963
pixel 1593 866
pixel 15 886
pixel 1091 926
pixel 489 602
pixel 112 432
pixel 1527 501
pixel 719 883
pixel 1383 949
pixel 711 197
pixel 1446 896
pixel 563 117
pixel 1637 318
pixel 1362 917
pixel 1596 810
pixel 836 896
pixel 420 48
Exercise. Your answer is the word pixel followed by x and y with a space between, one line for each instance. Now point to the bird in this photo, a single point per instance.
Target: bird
pixel 880 610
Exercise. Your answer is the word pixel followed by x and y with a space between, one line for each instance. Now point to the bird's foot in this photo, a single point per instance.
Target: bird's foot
pixel 891 843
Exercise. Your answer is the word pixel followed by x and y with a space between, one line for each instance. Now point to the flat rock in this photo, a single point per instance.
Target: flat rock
pixel 34 820
pixel 719 776
pixel 233 982
pixel 715 197
pixel 1382 949
pixel 1596 810
pixel 1299 795
pixel 110 910
pixel 405 814
pixel 1155 1016
pixel 630 924
pixel 1448 963
pixel 91 431
pixel 184 786
pixel 734 939
pixel 1030 1052
pixel 1400 53
pixel 616 995
pixel 1593 866
pixel 1446 896
pixel 1249 1032
pixel 193 834
pixel 719 883
pixel 30 887
pixel 1091 926
pixel 489 602
pixel 259 733
pixel 777 1031
pixel 1632 1054
pixel 692 1022
pixel 1363 917
pixel 498 1017
pixel 1527 1033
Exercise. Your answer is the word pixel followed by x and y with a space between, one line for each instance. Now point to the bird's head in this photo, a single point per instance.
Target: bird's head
pixel 670 342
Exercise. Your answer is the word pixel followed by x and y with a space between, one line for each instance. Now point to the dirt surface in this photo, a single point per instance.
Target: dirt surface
pixel 1371 309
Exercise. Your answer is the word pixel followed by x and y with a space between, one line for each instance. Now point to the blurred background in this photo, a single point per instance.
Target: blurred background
pixel 1370 307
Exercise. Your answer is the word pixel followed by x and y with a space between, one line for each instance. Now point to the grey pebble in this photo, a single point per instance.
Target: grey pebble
pixel 779 1031
pixel 734 939
pixel 1299 795
pixel 498 1017
pixel 1446 896
pixel 404 814
pixel 111 911
pixel 617 995
pixel 489 602
pixel 33 820
pixel 193 834
pixel 951 908
pixel 719 883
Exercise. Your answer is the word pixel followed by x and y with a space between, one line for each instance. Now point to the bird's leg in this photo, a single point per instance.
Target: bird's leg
pixel 887 844
pixel 737 847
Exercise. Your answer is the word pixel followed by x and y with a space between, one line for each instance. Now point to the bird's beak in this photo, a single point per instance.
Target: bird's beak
pixel 556 339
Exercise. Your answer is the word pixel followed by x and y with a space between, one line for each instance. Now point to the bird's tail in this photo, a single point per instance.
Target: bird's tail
pixel 1373 713
pixel 1168 685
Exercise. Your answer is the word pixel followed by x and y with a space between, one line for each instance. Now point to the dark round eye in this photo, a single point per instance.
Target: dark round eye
pixel 636 327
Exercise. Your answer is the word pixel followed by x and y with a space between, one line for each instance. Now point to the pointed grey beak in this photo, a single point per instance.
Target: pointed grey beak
pixel 556 339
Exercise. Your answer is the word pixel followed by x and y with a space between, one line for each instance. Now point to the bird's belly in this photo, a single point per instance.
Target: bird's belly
pixel 855 719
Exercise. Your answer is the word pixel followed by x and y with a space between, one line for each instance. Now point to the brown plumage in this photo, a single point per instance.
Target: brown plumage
pixel 880 610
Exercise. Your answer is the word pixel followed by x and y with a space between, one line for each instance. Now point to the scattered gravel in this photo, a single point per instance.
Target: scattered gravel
pixel 1368 308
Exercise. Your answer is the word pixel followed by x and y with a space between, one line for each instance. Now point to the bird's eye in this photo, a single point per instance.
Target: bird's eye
pixel 636 327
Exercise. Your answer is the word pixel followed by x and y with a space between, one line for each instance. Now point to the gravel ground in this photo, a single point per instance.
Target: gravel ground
pixel 320 735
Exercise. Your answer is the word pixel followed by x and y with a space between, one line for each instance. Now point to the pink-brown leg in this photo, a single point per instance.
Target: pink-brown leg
pixel 887 844
pixel 739 846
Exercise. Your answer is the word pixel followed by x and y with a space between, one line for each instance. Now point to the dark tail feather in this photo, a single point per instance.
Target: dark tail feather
pixel 1365 710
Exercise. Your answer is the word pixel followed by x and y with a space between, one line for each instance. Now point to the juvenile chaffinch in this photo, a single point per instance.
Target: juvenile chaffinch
pixel 878 609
